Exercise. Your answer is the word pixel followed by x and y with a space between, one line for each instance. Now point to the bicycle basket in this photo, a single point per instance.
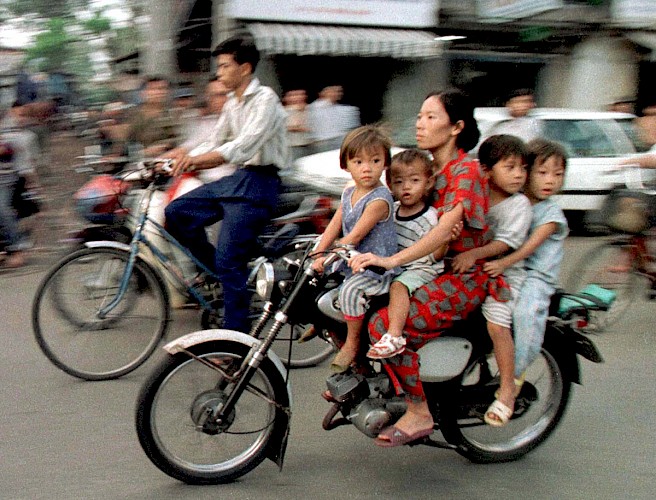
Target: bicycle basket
pixel 627 211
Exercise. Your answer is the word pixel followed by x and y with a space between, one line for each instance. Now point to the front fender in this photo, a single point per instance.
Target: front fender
pixel 278 444
pixel 186 341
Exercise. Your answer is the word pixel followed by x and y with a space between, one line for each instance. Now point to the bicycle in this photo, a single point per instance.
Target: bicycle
pixel 100 312
pixel 617 269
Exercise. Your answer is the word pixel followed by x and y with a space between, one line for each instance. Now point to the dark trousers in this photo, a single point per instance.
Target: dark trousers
pixel 245 203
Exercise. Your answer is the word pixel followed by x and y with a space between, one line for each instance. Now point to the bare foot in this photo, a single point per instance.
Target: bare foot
pixel 417 418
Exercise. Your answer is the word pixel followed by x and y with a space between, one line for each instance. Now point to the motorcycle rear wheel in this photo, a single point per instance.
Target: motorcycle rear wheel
pixel 178 394
pixel 482 443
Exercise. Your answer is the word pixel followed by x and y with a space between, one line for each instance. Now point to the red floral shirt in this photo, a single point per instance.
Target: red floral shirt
pixel 462 181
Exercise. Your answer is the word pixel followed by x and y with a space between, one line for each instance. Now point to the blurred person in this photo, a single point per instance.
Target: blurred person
pixel 519 123
pixel 18 148
pixel 330 121
pixel 152 126
pixel 646 125
pixel 298 127
pixel 113 129
pixel 251 134
pixel 185 106
pixel 198 133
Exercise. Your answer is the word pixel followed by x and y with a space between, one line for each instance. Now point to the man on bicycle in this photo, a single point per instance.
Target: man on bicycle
pixel 251 134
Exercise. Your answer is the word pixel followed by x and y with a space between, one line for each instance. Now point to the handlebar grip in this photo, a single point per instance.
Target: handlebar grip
pixel 376 269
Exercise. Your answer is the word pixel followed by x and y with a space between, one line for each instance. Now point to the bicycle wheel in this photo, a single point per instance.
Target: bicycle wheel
pixel 303 354
pixel 609 266
pixel 75 338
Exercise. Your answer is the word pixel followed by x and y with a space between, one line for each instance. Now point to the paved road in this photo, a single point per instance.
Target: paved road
pixel 63 438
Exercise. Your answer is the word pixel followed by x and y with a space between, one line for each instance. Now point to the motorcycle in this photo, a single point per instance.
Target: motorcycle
pixel 220 402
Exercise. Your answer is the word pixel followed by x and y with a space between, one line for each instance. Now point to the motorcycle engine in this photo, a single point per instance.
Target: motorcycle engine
pixel 365 402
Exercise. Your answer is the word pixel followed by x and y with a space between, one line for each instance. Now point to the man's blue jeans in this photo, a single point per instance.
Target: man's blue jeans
pixel 245 203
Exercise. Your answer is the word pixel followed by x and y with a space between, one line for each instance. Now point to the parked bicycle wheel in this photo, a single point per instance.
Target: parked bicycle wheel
pixel 611 267
pixel 71 332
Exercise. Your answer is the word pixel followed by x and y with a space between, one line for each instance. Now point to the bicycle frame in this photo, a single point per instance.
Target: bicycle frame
pixel 140 238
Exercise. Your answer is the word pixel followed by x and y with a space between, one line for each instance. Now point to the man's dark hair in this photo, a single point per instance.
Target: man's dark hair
pixel 498 147
pixel 242 48
pixel 519 93
pixel 156 78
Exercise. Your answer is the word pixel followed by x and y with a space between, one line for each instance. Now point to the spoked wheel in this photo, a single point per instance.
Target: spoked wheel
pixel 174 410
pixel 303 354
pixel 538 410
pixel 71 333
pixel 610 267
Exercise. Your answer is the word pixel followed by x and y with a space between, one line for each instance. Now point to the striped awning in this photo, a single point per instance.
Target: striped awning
pixel 302 39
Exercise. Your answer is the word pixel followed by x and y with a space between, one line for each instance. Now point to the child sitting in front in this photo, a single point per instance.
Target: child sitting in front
pixel 543 251
pixel 502 157
pixel 411 179
pixel 364 218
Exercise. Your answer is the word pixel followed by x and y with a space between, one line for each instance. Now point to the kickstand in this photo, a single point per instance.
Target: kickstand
pixel 436 444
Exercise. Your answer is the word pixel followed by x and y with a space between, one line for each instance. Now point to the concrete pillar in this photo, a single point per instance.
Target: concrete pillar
pixel 158 54
pixel 407 89
pixel 602 70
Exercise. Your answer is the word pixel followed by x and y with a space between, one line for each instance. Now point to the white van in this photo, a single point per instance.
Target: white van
pixel 596 142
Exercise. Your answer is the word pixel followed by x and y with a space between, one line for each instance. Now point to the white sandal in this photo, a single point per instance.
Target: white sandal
pixel 499 410
pixel 386 347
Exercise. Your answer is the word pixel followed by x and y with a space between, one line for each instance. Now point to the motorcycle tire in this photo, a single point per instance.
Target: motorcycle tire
pixel 538 410
pixel 182 391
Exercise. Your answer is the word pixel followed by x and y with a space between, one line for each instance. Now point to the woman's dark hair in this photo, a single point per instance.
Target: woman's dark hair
pixel 498 147
pixel 242 48
pixel 540 150
pixel 458 106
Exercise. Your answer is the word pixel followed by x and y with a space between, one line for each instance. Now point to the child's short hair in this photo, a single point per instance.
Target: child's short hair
pixel 407 157
pixel 498 147
pixel 542 149
pixel 365 138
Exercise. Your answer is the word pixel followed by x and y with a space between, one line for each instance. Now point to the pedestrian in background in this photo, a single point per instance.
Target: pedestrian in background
pixel 330 121
pixel 298 126
pixel 519 122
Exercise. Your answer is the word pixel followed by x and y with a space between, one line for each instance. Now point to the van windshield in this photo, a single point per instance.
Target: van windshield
pixel 588 138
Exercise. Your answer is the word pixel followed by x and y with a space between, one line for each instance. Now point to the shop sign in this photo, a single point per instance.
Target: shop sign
pixel 399 13
pixel 634 13
pixel 498 11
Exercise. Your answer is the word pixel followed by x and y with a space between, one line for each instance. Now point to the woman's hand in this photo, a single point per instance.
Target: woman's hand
pixel 494 268
pixel 360 262
pixel 462 262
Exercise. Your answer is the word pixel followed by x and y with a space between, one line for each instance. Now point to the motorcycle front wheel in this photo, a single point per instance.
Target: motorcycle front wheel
pixel 174 403
pixel 538 411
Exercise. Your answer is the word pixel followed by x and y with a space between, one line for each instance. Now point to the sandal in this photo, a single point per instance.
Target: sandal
pixel 386 347
pixel 500 411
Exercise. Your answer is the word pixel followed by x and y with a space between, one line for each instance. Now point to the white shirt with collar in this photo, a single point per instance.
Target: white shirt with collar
pixel 251 130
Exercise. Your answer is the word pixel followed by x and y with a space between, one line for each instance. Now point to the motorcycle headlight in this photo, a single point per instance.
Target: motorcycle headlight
pixel 264 280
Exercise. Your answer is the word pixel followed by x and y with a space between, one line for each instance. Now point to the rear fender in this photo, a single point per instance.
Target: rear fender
pixel 278 444
pixel 558 343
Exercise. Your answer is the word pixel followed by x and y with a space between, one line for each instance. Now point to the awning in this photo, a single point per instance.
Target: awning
pixel 302 39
